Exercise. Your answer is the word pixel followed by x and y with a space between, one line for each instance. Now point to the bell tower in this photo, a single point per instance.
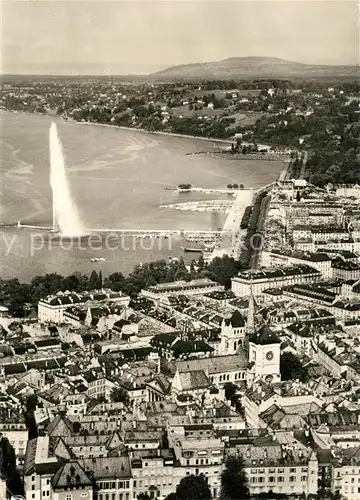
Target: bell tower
pixel 232 334
pixel 264 356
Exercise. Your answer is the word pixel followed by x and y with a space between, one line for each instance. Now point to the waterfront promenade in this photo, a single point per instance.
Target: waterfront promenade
pixel 232 235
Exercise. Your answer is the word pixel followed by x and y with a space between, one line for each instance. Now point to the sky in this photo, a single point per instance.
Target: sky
pixel 142 36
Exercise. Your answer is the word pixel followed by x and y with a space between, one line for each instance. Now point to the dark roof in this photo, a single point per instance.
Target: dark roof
pixel 107 467
pixel 264 336
pixel 69 475
pixel 236 320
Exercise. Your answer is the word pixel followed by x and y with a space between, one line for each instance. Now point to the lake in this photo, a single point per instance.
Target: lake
pixel 118 179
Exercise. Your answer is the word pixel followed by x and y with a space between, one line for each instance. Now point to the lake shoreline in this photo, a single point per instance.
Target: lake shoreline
pixel 158 132
pixel 117 180
pixel 122 127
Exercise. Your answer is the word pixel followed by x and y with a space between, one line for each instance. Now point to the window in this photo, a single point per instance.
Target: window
pixel 303 478
pixel 68 496
pixel 292 479
pixel 271 479
pixel 280 479
pixel 292 470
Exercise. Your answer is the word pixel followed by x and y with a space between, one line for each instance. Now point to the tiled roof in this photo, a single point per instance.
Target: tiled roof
pixel 272 273
pixel 215 364
pixel 71 474
pixel 193 380
pixel 107 467
pixel 342 417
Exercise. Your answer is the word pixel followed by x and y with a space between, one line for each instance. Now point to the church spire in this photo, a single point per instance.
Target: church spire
pixel 250 323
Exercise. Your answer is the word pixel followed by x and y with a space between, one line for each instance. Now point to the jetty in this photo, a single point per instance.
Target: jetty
pixel 201 206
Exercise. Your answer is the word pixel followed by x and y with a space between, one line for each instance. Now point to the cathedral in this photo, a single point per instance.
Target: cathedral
pixel 259 343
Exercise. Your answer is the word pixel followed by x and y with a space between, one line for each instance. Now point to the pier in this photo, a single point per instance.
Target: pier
pixel 202 206
pixel 131 232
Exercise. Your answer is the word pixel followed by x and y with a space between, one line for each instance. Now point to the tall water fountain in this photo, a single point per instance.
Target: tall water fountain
pixel 65 214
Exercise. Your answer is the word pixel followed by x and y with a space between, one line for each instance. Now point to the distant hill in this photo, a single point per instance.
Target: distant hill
pixel 253 67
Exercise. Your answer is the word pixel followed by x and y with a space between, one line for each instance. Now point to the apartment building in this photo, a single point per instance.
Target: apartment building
pixel 323 233
pixel 346 473
pixel 154 472
pixel 52 474
pixel 348 191
pixel 256 281
pixel 12 427
pixel 194 287
pixel 313 214
pixel 345 270
pixel 198 451
pixel 281 257
pixel 285 468
pixel 51 309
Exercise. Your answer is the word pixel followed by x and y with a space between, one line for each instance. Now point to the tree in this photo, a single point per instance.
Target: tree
pixel 120 395
pixel 100 281
pixel 30 407
pixel 143 496
pixel 222 269
pixel 171 496
pixel 230 390
pixel 115 281
pixel 93 281
pixel 291 367
pixel 201 263
pixel 8 468
pixel 193 488
pixel 234 482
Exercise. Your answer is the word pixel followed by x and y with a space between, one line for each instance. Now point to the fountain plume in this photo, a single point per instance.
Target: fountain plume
pixel 65 214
